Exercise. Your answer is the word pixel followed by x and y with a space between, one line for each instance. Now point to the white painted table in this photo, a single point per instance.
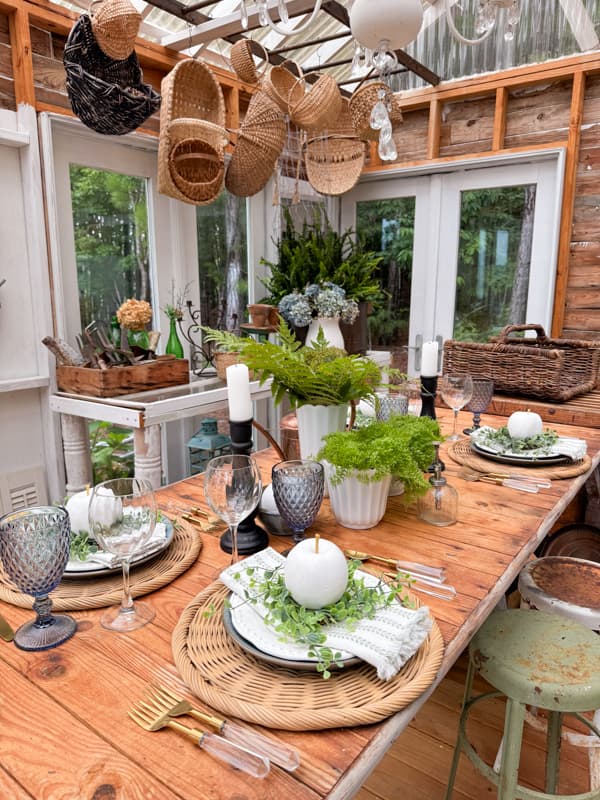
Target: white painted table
pixel 144 412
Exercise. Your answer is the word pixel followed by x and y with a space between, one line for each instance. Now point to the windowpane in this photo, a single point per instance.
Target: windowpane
pixel 387 227
pixel 223 261
pixel 110 217
pixel 494 259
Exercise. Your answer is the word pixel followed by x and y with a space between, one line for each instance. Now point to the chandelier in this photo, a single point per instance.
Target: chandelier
pixel 395 24
pixel 486 20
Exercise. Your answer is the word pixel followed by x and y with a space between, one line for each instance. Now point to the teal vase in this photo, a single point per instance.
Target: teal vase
pixel 174 346
pixel 139 338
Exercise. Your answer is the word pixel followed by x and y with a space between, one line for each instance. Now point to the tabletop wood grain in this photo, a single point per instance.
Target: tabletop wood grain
pixel 64 728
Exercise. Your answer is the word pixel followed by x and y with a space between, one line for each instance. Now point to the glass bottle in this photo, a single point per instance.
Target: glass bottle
pixel 139 338
pixel 439 506
pixel 174 346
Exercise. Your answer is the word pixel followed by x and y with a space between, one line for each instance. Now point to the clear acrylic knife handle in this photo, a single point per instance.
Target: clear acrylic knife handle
pixel 520 485
pixel 423 569
pixel 443 591
pixel 237 757
pixel 286 757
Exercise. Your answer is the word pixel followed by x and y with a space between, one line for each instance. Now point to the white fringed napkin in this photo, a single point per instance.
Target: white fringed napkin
pixel 386 642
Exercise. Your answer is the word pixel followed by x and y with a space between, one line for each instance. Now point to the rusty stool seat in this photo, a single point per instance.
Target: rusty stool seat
pixel 537 659
pixel 569 587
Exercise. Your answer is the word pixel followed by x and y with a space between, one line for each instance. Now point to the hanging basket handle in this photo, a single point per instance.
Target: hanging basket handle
pixel 503 337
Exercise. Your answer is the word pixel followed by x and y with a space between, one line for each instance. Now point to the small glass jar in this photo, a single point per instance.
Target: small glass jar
pixel 439 506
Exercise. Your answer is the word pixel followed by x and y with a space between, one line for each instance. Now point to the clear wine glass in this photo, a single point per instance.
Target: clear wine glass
pixel 483 391
pixel 298 488
pixel 456 391
pixel 34 548
pixel 232 486
pixel 122 517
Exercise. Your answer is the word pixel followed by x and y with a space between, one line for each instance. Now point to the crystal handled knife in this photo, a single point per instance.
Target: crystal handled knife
pixel 6 632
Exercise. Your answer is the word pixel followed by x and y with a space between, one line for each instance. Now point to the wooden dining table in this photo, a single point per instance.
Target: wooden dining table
pixel 64 729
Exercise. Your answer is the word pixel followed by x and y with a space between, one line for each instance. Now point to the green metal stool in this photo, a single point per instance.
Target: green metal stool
pixel 537 659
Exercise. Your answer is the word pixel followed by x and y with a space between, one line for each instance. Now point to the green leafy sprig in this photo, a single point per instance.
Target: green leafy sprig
pixel 81 546
pixel 296 623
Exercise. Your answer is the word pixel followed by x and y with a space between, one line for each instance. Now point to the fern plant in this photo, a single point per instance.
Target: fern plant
pixel 316 375
pixel 319 254
pixel 401 446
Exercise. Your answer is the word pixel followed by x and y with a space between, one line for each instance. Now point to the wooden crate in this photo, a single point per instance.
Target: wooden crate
pixel 162 371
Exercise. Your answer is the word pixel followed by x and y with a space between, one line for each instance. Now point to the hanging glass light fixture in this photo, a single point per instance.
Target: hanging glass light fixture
pixel 486 19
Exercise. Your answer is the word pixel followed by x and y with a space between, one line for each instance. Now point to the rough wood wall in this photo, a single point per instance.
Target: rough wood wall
pixel 534 113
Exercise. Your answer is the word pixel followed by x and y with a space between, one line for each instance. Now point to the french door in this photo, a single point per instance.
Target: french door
pixel 465 251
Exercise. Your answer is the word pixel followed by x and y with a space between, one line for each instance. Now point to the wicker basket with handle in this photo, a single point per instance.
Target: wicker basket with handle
pixel 548 369
pixel 316 108
pixel 242 61
pixel 280 81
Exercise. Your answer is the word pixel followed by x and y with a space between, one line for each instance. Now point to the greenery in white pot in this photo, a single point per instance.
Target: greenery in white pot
pixel 401 447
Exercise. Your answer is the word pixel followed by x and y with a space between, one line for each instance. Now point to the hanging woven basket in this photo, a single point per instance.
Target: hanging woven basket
pixel 279 83
pixel 259 144
pixel 107 95
pixel 116 24
pixel 315 108
pixel 334 163
pixel 361 106
pixel 242 61
pixel 192 128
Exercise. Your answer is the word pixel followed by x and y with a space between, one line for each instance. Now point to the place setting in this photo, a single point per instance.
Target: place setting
pixel 270 620
pixel 119 547
pixel 523 443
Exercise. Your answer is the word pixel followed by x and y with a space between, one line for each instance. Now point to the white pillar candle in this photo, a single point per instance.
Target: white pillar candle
pixel 238 393
pixel 429 359
pixel 316 573
pixel 77 505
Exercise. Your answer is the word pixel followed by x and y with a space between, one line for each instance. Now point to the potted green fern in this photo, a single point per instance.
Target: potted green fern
pixel 360 464
pixel 319 381
pixel 318 254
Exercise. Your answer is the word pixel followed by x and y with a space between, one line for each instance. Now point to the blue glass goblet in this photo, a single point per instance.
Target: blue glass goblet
pixel 34 548
pixel 298 493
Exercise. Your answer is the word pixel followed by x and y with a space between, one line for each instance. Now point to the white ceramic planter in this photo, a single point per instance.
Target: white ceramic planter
pixel 331 331
pixel 356 504
pixel 314 422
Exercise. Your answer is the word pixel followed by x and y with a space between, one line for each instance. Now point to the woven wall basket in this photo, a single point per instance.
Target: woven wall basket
pixel 197 170
pixel 279 83
pixel 193 112
pixel 315 108
pixel 259 145
pixel 242 61
pixel 116 24
pixel 361 105
pixel 334 163
pixel 107 95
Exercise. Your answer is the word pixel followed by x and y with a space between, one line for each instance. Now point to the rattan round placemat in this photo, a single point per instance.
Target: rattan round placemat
pixel 78 595
pixel 461 453
pixel 232 681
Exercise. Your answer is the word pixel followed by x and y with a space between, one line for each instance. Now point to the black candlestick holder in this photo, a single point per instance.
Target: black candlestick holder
pixel 428 394
pixel 250 537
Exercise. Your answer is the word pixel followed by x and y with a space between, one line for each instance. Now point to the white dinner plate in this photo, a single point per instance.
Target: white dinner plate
pixel 89 568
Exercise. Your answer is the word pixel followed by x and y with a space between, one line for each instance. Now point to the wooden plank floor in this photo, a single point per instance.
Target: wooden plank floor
pixel 416 767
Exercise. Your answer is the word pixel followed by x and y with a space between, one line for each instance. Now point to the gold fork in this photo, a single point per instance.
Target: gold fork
pixel 151 718
pixel 286 757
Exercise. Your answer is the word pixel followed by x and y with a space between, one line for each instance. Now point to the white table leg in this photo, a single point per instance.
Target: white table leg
pixel 76 449
pixel 147 454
